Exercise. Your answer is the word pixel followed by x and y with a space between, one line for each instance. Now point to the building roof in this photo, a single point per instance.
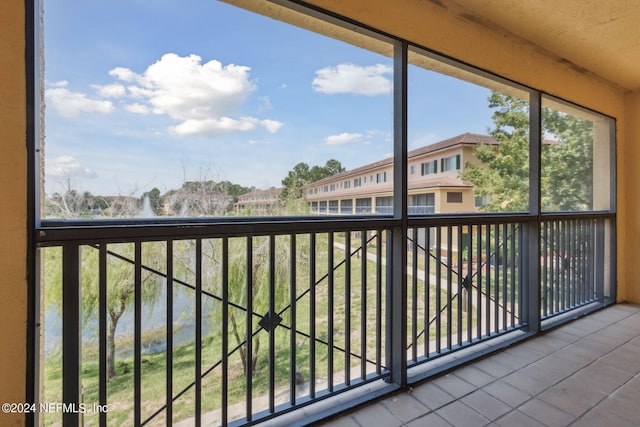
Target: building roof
pixel 465 139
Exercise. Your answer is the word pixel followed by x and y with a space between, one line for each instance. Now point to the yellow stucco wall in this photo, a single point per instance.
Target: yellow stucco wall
pixel 13 233
pixel 629 200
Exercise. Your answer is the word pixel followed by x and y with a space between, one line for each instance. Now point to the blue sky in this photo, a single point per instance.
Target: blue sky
pixel 143 94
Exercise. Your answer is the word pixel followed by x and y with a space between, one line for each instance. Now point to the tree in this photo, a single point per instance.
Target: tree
pixel 503 171
pixel 203 198
pixel 302 174
pixel 120 285
pixel 567 166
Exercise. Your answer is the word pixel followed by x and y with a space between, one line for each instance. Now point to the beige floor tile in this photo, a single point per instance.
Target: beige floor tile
pixel 405 407
pixel 545 413
pixel 519 419
pixel 460 415
pixel 431 396
pixel 376 415
pixel 507 393
pixel 486 404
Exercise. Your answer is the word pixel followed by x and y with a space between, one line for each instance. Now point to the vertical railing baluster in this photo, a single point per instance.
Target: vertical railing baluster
pixel 272 333
pixel 469 282
pixel 427 290
pixel 198 344
pixel 555 263
pixel 414 295
pixel 330 309
pixel 563 275
pixel 522 276
pixel 571 262
pixel 438 309
pixel 347 308
pixel 379 301
pixel 102 328
pixel 496 284
pixel 459 291
pixel 249 330
pixel 169 320
pixel 487 286
pixel 137 336
pixel 590 260
pixel 292 316
pixel 514 231
pixel 363 304
pixel 599 242
pixel 531 275
pixel 544 289
pixel 71 331
pixel 312 315
pixel 479 280
pixel 577 260
pixel 449 286
pixel 225 333
pixel 505 257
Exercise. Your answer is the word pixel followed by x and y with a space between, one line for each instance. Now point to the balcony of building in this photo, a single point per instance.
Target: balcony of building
pixel 398 318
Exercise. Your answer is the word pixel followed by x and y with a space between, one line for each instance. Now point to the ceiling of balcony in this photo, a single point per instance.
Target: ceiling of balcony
pixel 602 37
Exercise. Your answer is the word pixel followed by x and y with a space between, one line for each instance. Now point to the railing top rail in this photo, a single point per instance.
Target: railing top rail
pixel 55 233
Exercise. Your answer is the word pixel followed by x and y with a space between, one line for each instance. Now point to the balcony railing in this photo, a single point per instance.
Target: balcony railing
pixel 231 325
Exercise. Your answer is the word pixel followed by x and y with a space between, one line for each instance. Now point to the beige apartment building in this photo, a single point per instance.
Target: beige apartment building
pixel 434 184
pixel 258 202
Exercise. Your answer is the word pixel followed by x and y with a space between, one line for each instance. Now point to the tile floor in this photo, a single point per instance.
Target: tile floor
pixel 585 373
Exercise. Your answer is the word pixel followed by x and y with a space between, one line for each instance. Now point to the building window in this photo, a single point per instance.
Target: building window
pixel 357 182
pixel 381 177
pixel 481 201
pixel 450 163
pixel 413 169
pixel 346 206
pixel 454 197
pixel 332 187
pixel 429 168
pixel 347 184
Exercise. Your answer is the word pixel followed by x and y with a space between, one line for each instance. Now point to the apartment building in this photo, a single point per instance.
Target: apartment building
pixel 258 202
pixel 434 184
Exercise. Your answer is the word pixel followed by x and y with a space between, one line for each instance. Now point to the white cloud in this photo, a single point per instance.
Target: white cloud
pixel 218 126
pixel 343 138
pixel 66 167
pixel 114 90
pixel 71 104
pixel 355 79
pixel 137 108
pixel 272 126
pixel 124 74
pixel 202 97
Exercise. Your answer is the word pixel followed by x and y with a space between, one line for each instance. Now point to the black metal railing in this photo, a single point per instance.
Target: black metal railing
pixel 233 324
pixel 572 263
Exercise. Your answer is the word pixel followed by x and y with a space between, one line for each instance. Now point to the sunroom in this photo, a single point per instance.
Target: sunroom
pixel 152 299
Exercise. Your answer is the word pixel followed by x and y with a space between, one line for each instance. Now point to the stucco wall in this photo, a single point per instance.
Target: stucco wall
pixel 629 200
pixel 13 233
